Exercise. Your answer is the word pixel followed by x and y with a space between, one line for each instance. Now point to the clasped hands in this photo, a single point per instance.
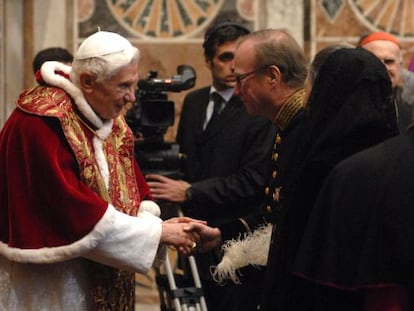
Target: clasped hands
pixel 189 235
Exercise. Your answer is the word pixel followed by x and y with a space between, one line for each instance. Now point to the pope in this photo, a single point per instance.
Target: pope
pixel 76 215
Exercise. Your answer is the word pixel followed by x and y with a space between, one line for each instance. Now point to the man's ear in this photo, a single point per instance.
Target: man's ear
pixel 87 81
pixel 208 63
pixel 274 74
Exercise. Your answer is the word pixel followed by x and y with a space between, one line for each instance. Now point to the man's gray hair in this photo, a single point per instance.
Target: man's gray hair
pixel 103 54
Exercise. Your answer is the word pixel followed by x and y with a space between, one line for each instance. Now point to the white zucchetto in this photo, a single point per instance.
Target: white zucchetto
pixel 102 43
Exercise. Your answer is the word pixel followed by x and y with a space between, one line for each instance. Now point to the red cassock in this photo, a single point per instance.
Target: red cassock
pixel 69 198
pixel 42 173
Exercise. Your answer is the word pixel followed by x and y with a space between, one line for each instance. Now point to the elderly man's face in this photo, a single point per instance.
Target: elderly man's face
pixel 248 77
pixel 108 97
pixel 389 53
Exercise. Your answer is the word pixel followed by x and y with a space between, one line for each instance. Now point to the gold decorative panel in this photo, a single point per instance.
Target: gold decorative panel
pixel 164 19
pixel 334 21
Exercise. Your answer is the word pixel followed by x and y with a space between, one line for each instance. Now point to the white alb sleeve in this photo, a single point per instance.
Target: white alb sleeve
pixel 127 242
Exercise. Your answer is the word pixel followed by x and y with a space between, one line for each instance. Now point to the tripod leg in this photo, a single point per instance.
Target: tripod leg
pixel 194 271
pixel 197 281
pixel 171 282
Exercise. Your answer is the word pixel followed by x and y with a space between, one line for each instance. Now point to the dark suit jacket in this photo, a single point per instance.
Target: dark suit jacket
pixel 227 165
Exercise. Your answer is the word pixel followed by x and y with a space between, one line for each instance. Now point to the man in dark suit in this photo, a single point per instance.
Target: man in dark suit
pixel 228 156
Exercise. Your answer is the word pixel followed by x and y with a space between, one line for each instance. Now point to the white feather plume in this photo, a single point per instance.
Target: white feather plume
pixel 252 249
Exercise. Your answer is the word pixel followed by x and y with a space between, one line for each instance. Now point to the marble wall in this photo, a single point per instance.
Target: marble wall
pixel 12 69
pixel 167 40
pixel 168 32
pixel 336 21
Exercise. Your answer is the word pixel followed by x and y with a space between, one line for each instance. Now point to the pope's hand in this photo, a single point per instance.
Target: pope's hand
pixel 209 237
pixel 173 233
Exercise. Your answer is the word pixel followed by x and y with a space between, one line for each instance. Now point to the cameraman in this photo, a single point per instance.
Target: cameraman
pixel 227 159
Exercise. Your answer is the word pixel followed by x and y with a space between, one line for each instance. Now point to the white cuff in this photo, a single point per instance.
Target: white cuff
pixel 128 242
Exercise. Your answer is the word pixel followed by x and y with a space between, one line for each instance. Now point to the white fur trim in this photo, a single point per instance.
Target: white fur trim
pixel 132 242
pixel 150 207
pixel 48 71
pixel 118 240
pixel 101 160
pixel 106 129
pixel 61 253
pixel 49 76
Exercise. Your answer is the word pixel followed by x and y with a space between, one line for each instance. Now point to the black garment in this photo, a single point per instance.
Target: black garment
pixel 349 109
pixel 227 166
pixel 360 233
pixel 283 155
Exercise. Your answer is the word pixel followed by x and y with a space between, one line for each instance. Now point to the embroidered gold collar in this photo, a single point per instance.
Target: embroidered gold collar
pixel 289 109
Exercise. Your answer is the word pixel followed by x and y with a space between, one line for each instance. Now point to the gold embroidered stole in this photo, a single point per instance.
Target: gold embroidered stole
pixel 123 190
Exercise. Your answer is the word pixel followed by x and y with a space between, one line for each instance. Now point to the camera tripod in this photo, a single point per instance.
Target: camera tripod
pixel 177 292
pixel 180 291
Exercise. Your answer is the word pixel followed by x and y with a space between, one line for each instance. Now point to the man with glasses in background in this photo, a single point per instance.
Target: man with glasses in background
pixel 227 163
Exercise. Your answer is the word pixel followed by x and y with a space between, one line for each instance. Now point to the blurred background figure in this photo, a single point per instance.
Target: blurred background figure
pixel 411 64
pixel 50 54
pixel 387 48
pixel 349 109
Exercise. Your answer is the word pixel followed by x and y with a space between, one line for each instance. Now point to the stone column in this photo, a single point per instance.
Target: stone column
pixel 287 14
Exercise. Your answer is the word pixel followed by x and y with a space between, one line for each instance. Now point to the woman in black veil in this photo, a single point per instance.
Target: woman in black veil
pixel 349 109
pixel 353 250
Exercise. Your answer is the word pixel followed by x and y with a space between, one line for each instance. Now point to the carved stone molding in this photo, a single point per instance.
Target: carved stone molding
pixel 344 21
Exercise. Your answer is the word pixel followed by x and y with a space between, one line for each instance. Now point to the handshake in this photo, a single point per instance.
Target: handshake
pixel 189 235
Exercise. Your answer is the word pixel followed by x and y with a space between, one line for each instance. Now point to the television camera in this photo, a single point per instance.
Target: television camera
pixel 150 117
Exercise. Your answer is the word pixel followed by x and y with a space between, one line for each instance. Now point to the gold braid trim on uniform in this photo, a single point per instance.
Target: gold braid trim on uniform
pixel 289 109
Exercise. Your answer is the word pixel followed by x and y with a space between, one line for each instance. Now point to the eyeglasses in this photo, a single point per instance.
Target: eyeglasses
pixel 240 78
